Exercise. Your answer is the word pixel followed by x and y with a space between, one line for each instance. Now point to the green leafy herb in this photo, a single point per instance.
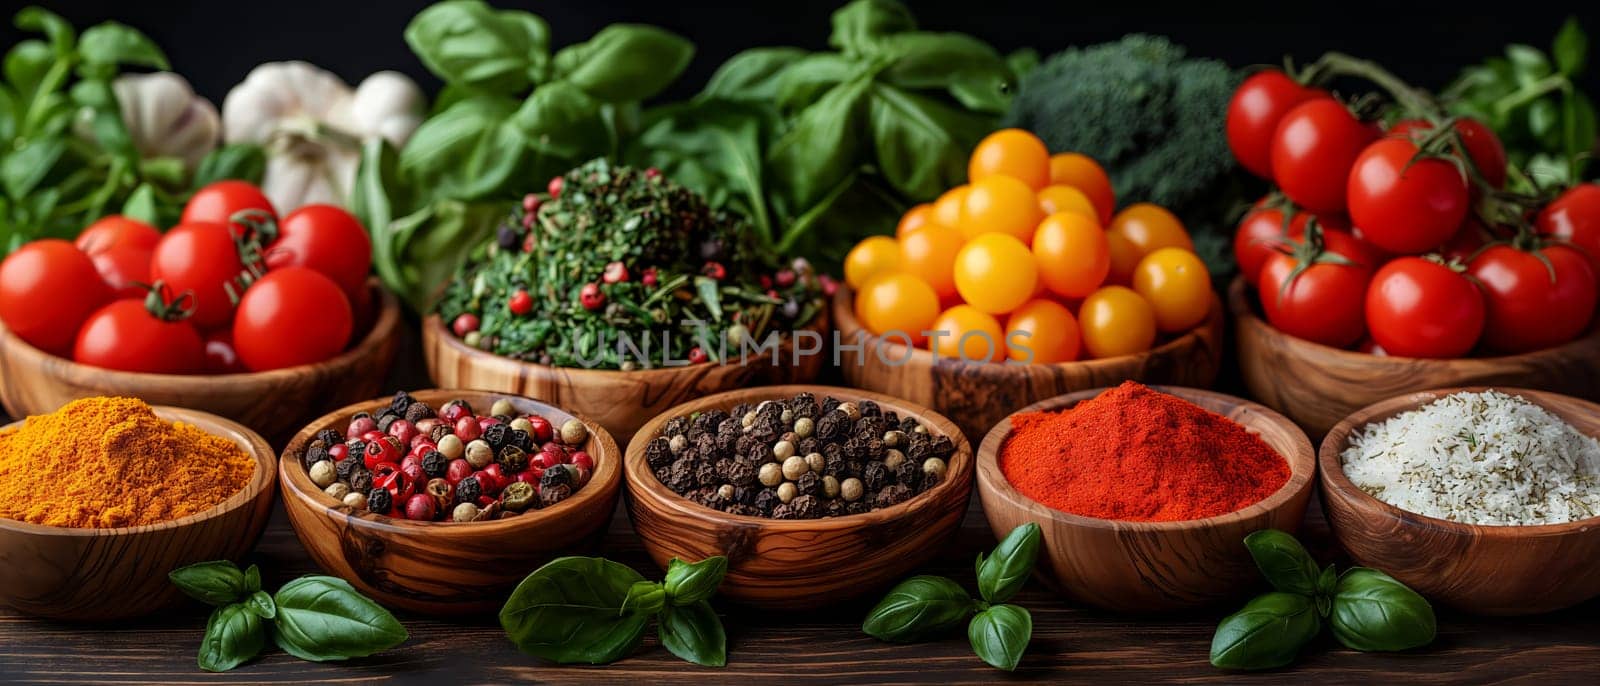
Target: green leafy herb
pixel 1372 611
pixel 1283 561
pixel 213 583
pixel 1002 574
pixel 234 636
pixel 1000 634
pixel 918 608
pixel 1269 632
pixel 592 610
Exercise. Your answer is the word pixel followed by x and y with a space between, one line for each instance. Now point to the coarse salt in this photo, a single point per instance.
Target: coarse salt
pixel 1479 458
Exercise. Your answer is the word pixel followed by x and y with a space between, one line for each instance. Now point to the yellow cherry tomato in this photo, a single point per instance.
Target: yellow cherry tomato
pixel 874 255
pixel 929 253
pixel 914 218
pixel 897 303
pixel 1060 198
pixel 1116 321
pixel 1124 257
pixel 1072 254
pixel 1081 172
pixel 1000 204
pixel 995 273
pixel 1147 228
pixel 947 209
pixel 1042 331
pixel 1176 284
pixel 965 333
pixel 1012 152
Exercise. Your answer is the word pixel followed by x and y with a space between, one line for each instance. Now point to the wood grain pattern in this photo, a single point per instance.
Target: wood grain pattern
pixel 799 563
pixel 1492 570
pixel 109 574
pixel 620 401
pixel 977 395
pixel 1152 566
pixel 1318 386
pixel 274 403
pixel 446 568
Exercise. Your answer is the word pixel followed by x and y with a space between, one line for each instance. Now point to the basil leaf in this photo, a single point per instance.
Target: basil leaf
pixel 921 143
pixel 252 579
pixel 243 161
pixel 234 636
pixel 819 151
pixel 916 608
pixel 858 26
pixel 1006 569
pixel 687 584
pixel 415 254
pixel 26 65
pixel 752 75
pixel 26 166
pixel 1283 561
pixel 141 205
pixel 323 618
pixel 468 42
pixel 1372 611
pixel 1267 633
pixel 465 152
pixel 212 583
pixel 568 611
pixel 1000 634
pixel 1527 64
pixel 810 77
pixel 111 43
pixel 926 59
pixel 625 62
pixel 694 633
pixel 561 121
pixel 261 605
pixel 644 598
pixel 41 20
pixel 712 146
pixel 1571 49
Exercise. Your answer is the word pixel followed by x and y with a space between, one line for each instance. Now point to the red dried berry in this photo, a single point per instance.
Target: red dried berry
pixel 421 507
pixel 590 297
pixel 464 324
pixel 459 469
pixel 765 281
pixel 650 279
pixel 555 187
pixel 829 286
pixel 520 303
pixel 467 429
pixel 530 204
pixel 403 430
pixel 543 430
pixel 616 272
pixel 698 356
pixel 652 173
pixel 715 270
pixel 785 278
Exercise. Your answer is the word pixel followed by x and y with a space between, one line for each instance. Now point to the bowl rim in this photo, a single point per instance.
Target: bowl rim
pixel 1302 465
pixel 263 480
pixel 843 306
pixel 1244 315
pixel 642 479
pixel 1330 464
pixel 297 483
pixel 384 327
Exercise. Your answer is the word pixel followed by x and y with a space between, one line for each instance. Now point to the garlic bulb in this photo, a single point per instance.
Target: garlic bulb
pixel 165 118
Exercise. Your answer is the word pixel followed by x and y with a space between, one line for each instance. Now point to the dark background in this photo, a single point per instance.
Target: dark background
pixel 215 43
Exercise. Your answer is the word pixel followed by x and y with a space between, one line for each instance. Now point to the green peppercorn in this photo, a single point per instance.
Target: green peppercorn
pixel 518 496
pixel 514 459
pixel 473 339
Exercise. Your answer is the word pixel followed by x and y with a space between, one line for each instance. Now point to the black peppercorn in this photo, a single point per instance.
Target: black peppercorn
pixel 942 447
pixel 829 404
pixel 891 496
pixel 743 509
pixel 909 473
pixel 330 438
pixel 386 418
pixel 439 432
pixel 521 439
pixel 857 507
pixel 402 401
pixel 658 453
pixel 558 475
pixel 356 449
pixel 360 479
pixel 766 499
pixel 379 500
pixel 834 508
pixel 418 411
pixel 704 475
pixel 342 468
pixel 468 490
pixel 869 408
pixel 313 455
pixel 435 464
pixel 806 507
pixel 496 436
pixel 803 405
pixel 832 426
pixel 875 476
pixel 550 495
pixel 784 511
pixel 675 427
pixel 809 484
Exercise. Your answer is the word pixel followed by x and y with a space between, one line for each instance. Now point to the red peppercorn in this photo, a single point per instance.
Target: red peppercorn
pixel 403 430
pixel 583 475
pixel 411 468
pixel 494 471
pixel 715 270
pixel 765 281
pixel 531 203
pixel 467 429
pixel 485 501
pixel 421 448
pixel 829 286
pixel 698 356
pixel 465 323
pixel 543 430
pixel 454 410
pixel 489 482
pixel 532 241
pixel 421 507
pixel 530 476
pixel 521 303
pixel 650 278
pixel 616 272
pixel 459 469
pixel 359 427
pixel 581 460
pixel 652 173
pixel 590 297
pixel 373 435
pixel 785 278
pixel 545 460
pixel 772 294
pixel 485 422
pixel 421 438
pixel 339 452
pixel 555 187
pixel 379 452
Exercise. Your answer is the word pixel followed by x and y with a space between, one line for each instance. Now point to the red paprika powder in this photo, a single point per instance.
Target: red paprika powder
pixel 1135 454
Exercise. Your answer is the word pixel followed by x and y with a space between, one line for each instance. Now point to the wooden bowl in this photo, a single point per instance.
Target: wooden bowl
pixel 620 401
pixel 101 575
pixel 445 568
pixel 274 403
pixel 805 563
pixel 1152 566
pixel 979 394
pixel 1490 570
pixel 1329 383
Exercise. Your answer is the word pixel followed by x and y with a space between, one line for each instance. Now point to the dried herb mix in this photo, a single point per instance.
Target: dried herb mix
pixel 799 458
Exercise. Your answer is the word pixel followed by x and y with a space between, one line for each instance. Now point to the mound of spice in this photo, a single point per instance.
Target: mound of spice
pixel 412 462
pixel 102 463
pixel 1479 458
pixel 1136 454
pixel 799 458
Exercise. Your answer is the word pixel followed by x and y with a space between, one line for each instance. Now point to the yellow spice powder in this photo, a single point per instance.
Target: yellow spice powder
pixel 101 463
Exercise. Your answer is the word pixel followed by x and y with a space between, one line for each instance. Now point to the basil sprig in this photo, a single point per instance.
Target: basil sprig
pixel 592 610
pixel 924 607
pixel 317 618
pixel 1366 609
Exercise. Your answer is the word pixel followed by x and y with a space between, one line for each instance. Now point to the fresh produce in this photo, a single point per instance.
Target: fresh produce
pixel 141 336
pixel 1153 116
pixel 1317 290
pixel 592 610
pixel 120 248
pixel 1403 201
pixel 1269 226
pixel 1313 150
pixel 452 464
pixel 622 268
pixel 291 316
pixel 1538 295
pixel 313 126
pixel 166 119
pixel 1479 458
pixel 315 618
pixel 1574 218
pixel 107 463
pixel 1417 307
pixel 1254 112
pixel 795 464
pixel 924 607
pixel 219 202
pixel 1018 256
pixel 328 240
pixel 1366 609
pixel 47 289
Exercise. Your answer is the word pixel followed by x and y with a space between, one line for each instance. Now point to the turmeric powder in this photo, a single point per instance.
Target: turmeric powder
pixel 101 463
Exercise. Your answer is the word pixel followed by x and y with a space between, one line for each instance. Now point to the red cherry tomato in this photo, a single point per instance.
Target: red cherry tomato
pixel 1312 152
pixel 1466 242
pixel 47 288
pixel 1324 303
pixel 1531 304
pixel 1262 232
pixel 291 316
pixel 327 239
pixel 120 248
pixel 1482 145
pixel 1254 112
pixel 127 335
pixel 221 357
pixel 200 258
pixel 1420 308
pixel 221 200
pixel 1405 204
pixel 1574 217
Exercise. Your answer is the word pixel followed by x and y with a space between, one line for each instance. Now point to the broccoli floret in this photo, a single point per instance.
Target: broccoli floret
pixel 1153 117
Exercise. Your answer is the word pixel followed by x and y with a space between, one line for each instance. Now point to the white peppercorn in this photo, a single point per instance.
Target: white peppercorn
pixel 830 486
pixel 850 410
pixel 816 462
pixel 573 432
pixel 787 491
pixel 677 443
pixel 770 475
pixel 451 447
pixel 501 408
pixel 894 439
pixel 749 419
pixel 851 489
pixel 479 454
pixel 355 500
pixel 522 424
pixel 804 426
pixel 795 467
pixel 465 512
pixel 338 490
pixel 323 473
pixel 783 450
pixel 725 492
pixel 934 466
pixel 893 458
pixel 786 417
